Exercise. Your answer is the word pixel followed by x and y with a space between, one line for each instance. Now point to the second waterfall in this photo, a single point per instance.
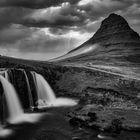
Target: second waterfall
pixel 46 96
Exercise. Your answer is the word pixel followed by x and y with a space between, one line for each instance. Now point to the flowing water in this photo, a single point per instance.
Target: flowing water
pixel 29 91
pixel 46 96
pixel 14 106
pixel 15 110
pixel 4 132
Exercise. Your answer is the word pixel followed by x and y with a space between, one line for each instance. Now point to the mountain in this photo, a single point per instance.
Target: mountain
pixel 115 42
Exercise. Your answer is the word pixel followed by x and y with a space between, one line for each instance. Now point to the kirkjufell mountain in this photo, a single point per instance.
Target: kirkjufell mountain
pixel 114 43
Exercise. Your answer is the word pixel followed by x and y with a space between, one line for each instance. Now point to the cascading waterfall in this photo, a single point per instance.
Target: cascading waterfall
pixel 29 91
pixel 46 96
pixel 4 132
pixel 41 89
pixel 15 110
pixel 18 77
pixel 14 107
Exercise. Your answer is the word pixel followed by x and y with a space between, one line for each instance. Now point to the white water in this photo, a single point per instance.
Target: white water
pixel 29 91
pixel 14 107
pixel 46 96
pixel 4 132
pixel 15 110
pixel 44 90
pixel 102 136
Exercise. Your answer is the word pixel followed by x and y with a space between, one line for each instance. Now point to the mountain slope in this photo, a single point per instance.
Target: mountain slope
pixel 114 43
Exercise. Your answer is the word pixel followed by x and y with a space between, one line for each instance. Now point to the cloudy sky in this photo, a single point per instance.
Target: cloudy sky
pixel 44 29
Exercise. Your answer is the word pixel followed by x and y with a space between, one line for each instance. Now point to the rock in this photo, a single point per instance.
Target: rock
pixel 116 126
pixel 92 115
pixel 115 26
pixel 76 122
pixel 111 120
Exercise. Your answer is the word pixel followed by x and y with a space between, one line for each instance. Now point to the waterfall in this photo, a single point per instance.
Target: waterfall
pixel 4 132
pixel 29 91
pixel 41 89
pixel 46 96
pixel 15 110
pixel 14 107
pixel 18 77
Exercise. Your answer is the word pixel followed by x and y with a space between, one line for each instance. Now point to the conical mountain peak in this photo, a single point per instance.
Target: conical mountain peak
pixel 115 40
pixel 114 19
pixel 115 29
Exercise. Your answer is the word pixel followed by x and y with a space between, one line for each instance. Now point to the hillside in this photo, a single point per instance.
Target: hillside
pixel 115 47
pixel 114 41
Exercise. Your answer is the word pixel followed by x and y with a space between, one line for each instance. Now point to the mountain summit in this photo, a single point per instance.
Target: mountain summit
pixel 115 29
pixel 114 42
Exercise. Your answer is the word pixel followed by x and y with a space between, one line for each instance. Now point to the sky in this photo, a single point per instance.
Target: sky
pixel 45 29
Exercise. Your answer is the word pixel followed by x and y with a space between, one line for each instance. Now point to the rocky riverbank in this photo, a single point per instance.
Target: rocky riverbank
pixel 106 119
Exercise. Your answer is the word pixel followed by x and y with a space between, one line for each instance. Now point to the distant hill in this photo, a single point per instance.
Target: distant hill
pixel 115 42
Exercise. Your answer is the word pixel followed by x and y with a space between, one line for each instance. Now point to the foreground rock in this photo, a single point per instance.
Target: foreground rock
pixel 105 118
pixel 107 111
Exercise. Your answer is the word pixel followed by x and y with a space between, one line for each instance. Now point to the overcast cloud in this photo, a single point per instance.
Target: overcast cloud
pixel 43 29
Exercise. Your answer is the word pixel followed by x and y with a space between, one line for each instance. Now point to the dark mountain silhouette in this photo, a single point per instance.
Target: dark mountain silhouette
pixel 114 42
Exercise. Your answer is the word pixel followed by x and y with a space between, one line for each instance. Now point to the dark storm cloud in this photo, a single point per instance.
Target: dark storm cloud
pixel 95 10
pixel 68 15
pixel 60 16
pixel 12 15
pixel 14 33
pixel 72 14
pixel 14 11
pixel 35 4
pixel 59 22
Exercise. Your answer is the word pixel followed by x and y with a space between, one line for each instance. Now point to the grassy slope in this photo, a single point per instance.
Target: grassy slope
pixel 75 78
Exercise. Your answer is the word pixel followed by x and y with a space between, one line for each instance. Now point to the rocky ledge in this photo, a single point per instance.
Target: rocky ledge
pixel 106 112
pixel 106 119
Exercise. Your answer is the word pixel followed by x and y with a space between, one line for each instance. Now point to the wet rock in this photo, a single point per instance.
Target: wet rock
pixel 76 122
